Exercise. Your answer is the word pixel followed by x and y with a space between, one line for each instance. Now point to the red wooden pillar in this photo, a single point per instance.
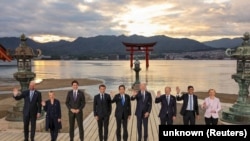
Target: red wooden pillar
pixel 132 47
pixel 131 57
pixel 4 55
pixel 147 57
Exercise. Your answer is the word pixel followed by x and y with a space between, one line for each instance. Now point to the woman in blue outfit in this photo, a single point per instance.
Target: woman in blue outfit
pixel 53 115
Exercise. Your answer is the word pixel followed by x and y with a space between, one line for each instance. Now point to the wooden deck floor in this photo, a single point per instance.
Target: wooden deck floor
pixel 91 129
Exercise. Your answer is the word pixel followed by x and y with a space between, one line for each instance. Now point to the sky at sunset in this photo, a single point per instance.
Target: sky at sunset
pixel 53 20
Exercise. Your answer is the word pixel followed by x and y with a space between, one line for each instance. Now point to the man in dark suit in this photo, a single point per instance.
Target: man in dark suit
pixel 122 112
pixel 143 109
pixel 31 110
pixel 168 106
pixel 75 102
pixel 53 115
pixel 190 109
pixel 102 109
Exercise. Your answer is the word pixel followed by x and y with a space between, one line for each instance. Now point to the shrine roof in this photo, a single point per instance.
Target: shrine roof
pixel 4 54
pixel 139 44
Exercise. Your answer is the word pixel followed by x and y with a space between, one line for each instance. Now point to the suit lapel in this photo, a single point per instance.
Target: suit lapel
pixel 99 98
pixel 126 99
pixel 72 95
pixel 187 98
pixel 120 99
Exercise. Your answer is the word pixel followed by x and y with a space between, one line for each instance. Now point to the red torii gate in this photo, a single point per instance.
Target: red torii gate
pixel 4 54
pixel 132 47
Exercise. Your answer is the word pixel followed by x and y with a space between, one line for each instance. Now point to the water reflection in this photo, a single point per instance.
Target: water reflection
pixel 202 74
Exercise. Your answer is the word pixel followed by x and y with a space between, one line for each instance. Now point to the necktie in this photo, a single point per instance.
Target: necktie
pixel 167 103
pixel 31 95
pixel 123 100
pixel 143 96
pixel 168 100
pixel 191 103
pixel 101 97
pixel 75 95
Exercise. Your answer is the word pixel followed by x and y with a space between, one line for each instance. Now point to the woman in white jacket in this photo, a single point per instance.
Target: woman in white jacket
pixel 212 106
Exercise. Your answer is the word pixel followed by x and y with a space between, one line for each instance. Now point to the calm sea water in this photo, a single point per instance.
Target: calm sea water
pixel 202 74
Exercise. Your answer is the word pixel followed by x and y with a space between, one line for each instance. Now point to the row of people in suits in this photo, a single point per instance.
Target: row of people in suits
pixel 102 109
pixel 103 106
pixel 75 101
pixel 190 108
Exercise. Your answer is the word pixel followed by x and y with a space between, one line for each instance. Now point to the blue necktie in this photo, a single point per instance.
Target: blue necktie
pixel 123 100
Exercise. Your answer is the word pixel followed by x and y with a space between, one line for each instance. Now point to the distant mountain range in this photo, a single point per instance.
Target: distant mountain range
pixel 104 45
pixel 224 43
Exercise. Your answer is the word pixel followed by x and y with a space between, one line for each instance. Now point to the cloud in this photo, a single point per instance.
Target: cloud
pixel 198 19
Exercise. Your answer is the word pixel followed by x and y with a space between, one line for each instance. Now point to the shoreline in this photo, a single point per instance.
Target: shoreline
pixel 52 83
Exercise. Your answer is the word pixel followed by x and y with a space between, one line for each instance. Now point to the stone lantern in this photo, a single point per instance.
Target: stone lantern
pixel 137 69
pixel 23 55
pixel 239 112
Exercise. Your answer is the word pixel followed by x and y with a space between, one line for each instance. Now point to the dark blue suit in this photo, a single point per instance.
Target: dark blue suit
pixel 142 106
pixel 30 110
pixel 168 110
pixel 78 103
pixel 102 109
pixel 53 113
pixel 121 113
pixel 188 116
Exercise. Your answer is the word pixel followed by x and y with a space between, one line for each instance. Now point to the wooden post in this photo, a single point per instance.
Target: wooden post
pixel 147 57
pixel 131 57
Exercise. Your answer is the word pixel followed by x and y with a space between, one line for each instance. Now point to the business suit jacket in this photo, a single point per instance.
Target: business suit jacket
pixel 165 107
pixel 30 107
pixel 120 109
pixel 57 114
pixel 142 106
pixel 185 97
pixel 102 109
pixel 79 103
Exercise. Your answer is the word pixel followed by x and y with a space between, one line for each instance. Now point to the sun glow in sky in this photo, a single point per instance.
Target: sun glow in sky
pixel 50 38
pixel 140 20
pixel 200 20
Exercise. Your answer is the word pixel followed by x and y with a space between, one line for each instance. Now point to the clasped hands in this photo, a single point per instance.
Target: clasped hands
pixel 75 111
